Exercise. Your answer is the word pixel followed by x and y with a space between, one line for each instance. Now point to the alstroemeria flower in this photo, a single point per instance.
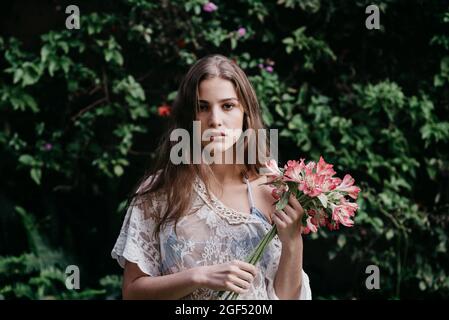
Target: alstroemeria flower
pixel 347 186
pixel 318 217
pixel 324 168
pixel 279 190
pixel 293 171
pixel 329 184
pixel 311 185
pixel 310 225
pixel 343 212
pixel 273 168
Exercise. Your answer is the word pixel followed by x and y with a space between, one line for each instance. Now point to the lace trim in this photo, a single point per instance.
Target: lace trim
pixel 230 215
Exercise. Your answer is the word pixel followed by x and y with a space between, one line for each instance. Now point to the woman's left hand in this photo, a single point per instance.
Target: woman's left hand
pixel 288 221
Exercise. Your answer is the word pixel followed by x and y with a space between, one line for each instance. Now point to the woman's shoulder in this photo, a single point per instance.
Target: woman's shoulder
pixel 148 199
pixel 148 180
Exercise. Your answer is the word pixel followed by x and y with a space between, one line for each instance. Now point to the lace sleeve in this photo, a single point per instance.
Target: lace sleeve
pixel 136 243
pixel 305 294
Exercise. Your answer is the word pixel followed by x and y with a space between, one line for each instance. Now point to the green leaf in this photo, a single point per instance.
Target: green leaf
pixel 64 46
pixel 118 58
pixel 45 51
pixel 341 241
pixel 26 159
pixel 52 67
pixel 118 170
pixel 390 234
pixel 280 205
pixel 422 285
pixel 36 174
pixel 29 100
pixel 17 75
pixel 197 9
pixel 233 43
pixel 323 199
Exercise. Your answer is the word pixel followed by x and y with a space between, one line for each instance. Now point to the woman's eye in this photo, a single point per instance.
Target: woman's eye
pixel 203 107
pixel 228 106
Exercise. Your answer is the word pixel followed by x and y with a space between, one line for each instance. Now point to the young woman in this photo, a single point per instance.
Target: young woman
pixel 191 225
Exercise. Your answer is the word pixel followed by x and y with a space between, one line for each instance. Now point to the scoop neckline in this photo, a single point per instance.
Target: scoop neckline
pixel 216 199
pixel 241 213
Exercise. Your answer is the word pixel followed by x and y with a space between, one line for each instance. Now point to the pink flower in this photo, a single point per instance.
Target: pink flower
pixel 342 213
pixel 310 165
pixel 310 225
pixel 269 69
pixel 241 32
pixel 48 146
pixel 347 186
pixel 330 184
pixel 333 225
pixel 278 191
pixel 273 168
pixel 318 217
pixel 275 194
pixel 293 171
pixel 351 207
pixel 324 168
pixel 260 66
pixel 210 7
pixel 311 185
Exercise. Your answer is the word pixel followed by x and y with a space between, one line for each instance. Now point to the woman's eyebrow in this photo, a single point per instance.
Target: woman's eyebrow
pixel 222 100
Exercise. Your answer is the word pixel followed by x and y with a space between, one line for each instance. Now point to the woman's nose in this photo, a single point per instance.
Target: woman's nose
pixel 215 117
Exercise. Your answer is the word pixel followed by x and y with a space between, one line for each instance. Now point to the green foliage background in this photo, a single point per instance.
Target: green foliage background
pixel 79 124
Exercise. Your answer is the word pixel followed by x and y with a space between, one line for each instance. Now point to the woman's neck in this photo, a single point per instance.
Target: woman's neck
pixel 227 173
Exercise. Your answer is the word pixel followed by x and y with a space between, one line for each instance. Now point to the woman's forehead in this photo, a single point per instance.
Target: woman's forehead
pixel 217 89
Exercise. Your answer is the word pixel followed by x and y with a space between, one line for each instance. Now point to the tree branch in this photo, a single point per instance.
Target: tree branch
pixel 92 105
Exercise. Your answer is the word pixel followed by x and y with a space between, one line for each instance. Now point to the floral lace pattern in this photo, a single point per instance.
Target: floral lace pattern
pixel 214 234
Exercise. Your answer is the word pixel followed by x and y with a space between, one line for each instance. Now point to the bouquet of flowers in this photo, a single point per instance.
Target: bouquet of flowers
pixel 323 197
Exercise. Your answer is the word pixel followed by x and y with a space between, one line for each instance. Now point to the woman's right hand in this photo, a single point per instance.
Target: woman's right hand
pixel 235 276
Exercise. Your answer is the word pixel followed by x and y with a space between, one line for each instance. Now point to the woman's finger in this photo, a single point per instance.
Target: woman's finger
pixel 295 203
pixel 240 282
pixel 245 266
pixel 284 216
pixel 291 212
pixel 245 275
pixel 234 288
pixel 279 223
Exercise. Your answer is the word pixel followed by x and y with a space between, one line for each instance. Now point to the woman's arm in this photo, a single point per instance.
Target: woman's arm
pixel 138 285
pixel 288 279
pixel 233 276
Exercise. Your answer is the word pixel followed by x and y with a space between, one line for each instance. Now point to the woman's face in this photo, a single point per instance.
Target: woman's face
pixel 220 114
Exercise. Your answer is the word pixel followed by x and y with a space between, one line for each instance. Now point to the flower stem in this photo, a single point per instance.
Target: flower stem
pixel 256 256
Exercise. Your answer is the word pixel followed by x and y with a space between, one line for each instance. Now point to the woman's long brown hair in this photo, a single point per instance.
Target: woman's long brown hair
pixel 174 182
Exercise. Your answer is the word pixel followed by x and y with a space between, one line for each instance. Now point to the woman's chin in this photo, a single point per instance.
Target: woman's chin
pixel 217 150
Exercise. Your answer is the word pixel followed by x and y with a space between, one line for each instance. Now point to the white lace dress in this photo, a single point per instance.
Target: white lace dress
pixel 214 234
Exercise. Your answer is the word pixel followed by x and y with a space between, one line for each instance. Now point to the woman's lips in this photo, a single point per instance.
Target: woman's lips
pixel 221 134
pixel 214 137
